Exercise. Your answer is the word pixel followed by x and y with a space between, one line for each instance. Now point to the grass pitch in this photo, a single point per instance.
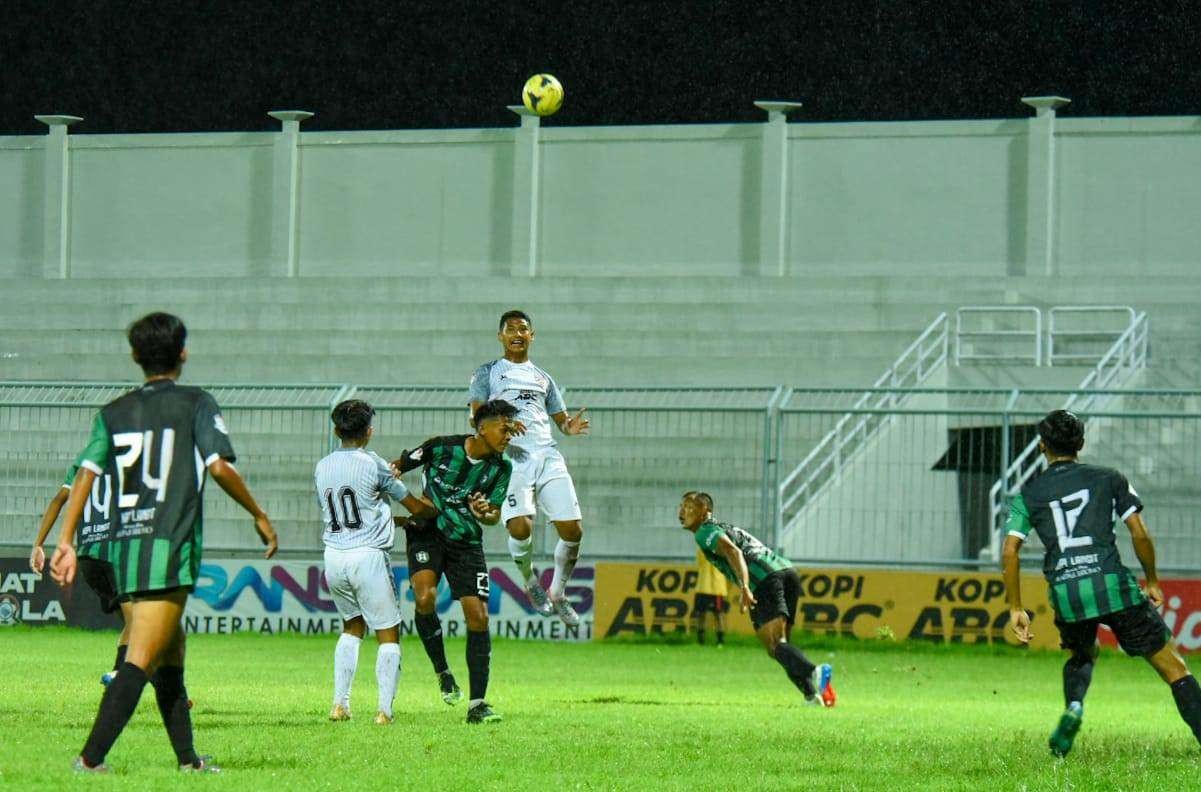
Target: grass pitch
pixel 602 716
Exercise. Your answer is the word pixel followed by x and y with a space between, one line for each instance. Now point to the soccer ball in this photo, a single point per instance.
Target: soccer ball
pixel 542 94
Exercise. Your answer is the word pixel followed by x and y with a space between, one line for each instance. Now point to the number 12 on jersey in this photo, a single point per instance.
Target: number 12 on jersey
pixel 1065 521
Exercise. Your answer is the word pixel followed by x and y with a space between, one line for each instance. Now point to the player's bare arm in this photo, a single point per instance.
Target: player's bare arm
pixel 64 563
pixel 1011 565
pixel 231 481
pixel 738 564
pixel 1144 548
pixel 37 556
pixel 574 425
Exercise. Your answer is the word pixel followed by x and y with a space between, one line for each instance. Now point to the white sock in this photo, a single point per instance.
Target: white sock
pixel 346 660
pixel 387 672
pixel 522 551
pixel 566 554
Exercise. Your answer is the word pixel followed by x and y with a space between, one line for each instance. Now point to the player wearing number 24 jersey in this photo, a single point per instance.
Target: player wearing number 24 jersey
pixel 1073 507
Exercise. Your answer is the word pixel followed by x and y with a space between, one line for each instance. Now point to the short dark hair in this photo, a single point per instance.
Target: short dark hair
pixel 703 498
pixel 157 341
pixel 497 408
pixel 514 314
pixel 1062 433
pixel 352 419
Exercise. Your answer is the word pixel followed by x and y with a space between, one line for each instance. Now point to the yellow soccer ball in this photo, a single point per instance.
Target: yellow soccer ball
pixel 542 94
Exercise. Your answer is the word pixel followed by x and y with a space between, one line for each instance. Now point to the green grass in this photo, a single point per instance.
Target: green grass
pixel 602 716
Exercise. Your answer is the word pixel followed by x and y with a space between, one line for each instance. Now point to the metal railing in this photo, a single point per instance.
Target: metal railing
pixel 1059 335
pixel 1002 349
pixel 927 354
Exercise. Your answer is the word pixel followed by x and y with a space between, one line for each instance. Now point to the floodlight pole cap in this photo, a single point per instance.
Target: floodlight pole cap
pixel 1044 105
pixel 58 120
pixel 528 116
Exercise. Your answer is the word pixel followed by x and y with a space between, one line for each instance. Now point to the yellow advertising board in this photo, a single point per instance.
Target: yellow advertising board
pixel 961 607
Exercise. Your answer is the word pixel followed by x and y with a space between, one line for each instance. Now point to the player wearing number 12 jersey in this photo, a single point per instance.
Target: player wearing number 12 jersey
pixel 1073 508
pixel 353 489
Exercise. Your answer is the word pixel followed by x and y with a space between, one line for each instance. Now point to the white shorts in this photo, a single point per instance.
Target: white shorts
pixel 541 477
pixel 360 583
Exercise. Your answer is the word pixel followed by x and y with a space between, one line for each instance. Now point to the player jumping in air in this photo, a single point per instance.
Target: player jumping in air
pixel 1073 508
pixel 155 444
pixel 539 472
pixel 770 588
pixel 465 478
pixel 353 489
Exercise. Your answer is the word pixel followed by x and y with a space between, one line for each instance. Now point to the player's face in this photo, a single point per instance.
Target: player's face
pixel 691 513
pixel 496 433
pixel 516 335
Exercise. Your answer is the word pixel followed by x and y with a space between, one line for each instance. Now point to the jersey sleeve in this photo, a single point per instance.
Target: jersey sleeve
pixel 387 483
pixel 501 486
pixel 211 433
pixel 707 537
pixel 411 460
pixel 1019 519
pixel 481 384
pixel 69 479
pixel 1125 500
pixel 94 456
pixel 554 397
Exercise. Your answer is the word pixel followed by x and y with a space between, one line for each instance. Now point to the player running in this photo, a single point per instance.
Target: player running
pixel 539 471
pixel 465 478
pixel 155 445
pixel 1073 507
pixel 770 587
pixel 353 489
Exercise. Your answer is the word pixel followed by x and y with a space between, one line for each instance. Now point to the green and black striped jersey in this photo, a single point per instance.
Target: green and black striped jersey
pixel 761 560
pixel 94 525
pixel 1073 508
pixel 155 444
pixel 451 477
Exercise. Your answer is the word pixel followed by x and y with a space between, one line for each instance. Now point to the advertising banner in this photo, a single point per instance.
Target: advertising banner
pixel 32 599
pixel 292 596
pixel 1181 612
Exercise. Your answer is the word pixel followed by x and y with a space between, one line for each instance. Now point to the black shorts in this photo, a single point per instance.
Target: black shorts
pixel 1140 631
pixel 464 565
pixel 709 603
pixel 776 596
pixel 101 578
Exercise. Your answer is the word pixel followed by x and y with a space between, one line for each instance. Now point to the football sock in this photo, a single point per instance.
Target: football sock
pixel 173 706
pixel 120 656
pixel 522 551
pixel 566 554
pixel 700 635
pixel 1077 676
pixel 346 660
pixel 429 629
pixel 1187 693
pixel 721 637
pixel 387 671
pixel 116 708
pixel 479 655
pixel 797 666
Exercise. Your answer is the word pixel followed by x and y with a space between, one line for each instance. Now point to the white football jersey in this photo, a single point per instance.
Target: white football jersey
pixel 353 488
pixel 528 388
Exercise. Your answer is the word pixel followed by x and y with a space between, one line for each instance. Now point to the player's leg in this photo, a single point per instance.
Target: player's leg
pixel 467 574
pixel 171 695
pixel 698 616
pixel 153 625
pixel 376 589
pixel 102 580
pixel 1079 638
pixel 557 500
pixel 719 619
pixel 517 511
pixel 425 568
pixel 772 617
pixel 338 565
pixel 1141 631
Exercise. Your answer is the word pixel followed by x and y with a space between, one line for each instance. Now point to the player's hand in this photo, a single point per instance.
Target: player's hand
pixel 1154 593
pixel 481 508
pixel 576 424
pixel 1019 622
pixel 37 559
pixel 747 600
pixel 267 534
pixel 63 564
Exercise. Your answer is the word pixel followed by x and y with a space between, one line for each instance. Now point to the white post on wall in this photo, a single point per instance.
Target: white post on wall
pixel 56 217
pixel 524 257
pixel 1040 187
pixel 285 213
pixel 773 197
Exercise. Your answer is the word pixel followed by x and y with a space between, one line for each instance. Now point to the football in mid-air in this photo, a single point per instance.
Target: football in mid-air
pixel 542 94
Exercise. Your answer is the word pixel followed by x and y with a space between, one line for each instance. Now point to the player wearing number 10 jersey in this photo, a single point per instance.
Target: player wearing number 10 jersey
pixel 1073 508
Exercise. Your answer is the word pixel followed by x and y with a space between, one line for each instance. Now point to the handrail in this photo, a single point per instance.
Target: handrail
pixel 1054 332
pixel 1036 334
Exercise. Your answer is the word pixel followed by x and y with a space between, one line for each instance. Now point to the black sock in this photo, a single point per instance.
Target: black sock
pixel 479 655
pixel 700 636
pixel 429 629
pixel 173 706
pixel 721 637
pixel 120 656
pixel 797 666
pixel 1187 693
pixel 116 708
pixel 1077 676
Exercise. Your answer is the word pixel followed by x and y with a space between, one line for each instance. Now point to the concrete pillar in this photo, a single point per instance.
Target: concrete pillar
pixel 1040 188
pixel 773 196
pixel 56 197
pixel 285 212
pixel 526 159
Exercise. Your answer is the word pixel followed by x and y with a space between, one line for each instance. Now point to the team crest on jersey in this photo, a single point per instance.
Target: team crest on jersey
pixel 422 557
pixel 219 424
pixel 416 454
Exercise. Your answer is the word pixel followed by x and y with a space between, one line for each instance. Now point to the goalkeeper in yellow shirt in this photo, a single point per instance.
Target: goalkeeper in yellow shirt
pixel 710 597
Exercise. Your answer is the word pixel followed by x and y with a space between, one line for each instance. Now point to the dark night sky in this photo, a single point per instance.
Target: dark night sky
pixel 168 66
